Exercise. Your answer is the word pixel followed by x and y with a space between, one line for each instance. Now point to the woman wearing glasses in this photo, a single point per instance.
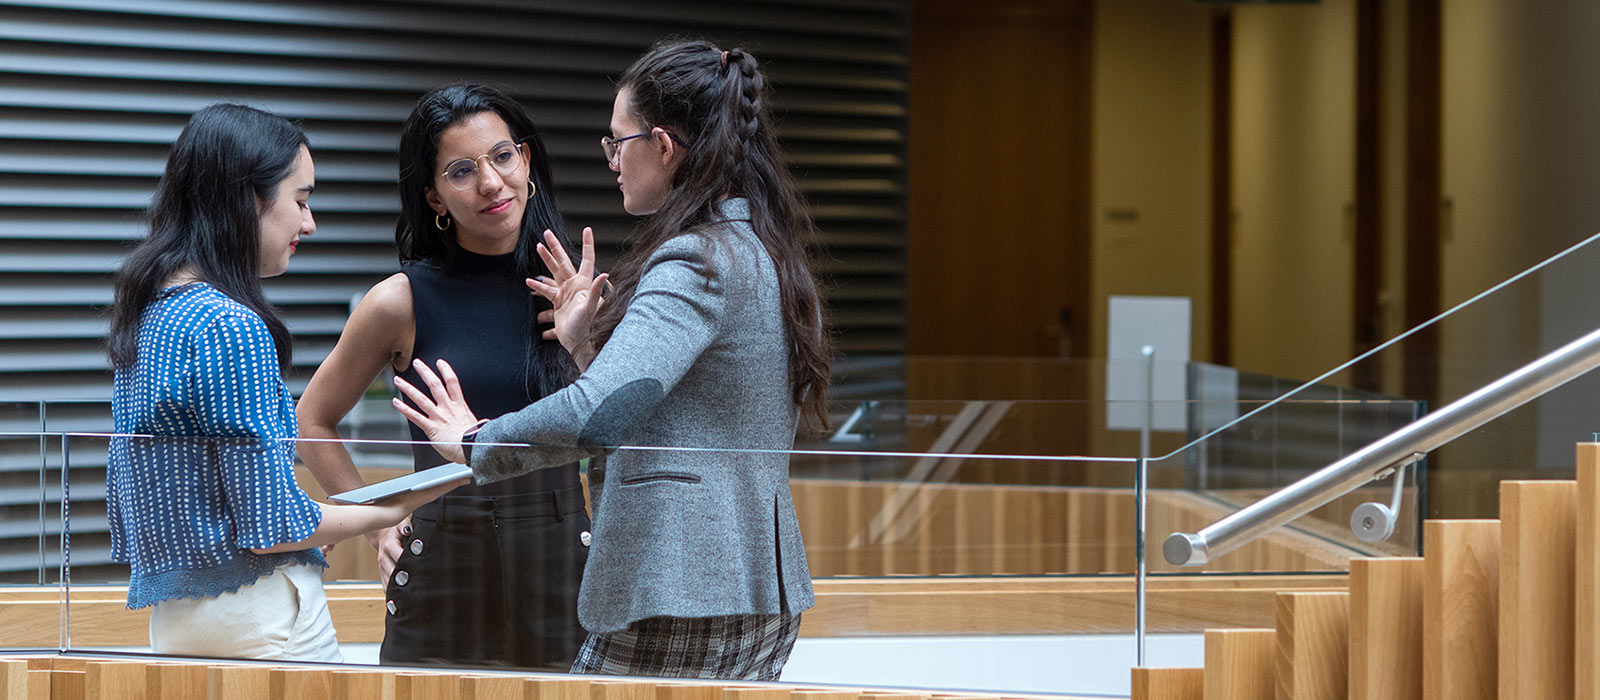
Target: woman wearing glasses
pixel 488 575
pixel 713 338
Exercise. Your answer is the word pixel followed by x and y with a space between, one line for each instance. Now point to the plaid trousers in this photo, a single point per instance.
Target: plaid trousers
pixel 729 647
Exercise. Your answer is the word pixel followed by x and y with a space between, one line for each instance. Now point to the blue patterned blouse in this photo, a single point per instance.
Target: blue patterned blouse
pixel 217 478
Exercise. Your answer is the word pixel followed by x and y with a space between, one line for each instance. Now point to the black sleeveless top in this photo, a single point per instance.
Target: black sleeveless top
pixel 476 313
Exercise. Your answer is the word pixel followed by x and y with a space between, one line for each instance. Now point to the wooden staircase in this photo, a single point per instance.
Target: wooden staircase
pixel 1505 609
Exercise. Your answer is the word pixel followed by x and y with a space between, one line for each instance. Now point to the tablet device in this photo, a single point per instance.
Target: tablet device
pixel 415 481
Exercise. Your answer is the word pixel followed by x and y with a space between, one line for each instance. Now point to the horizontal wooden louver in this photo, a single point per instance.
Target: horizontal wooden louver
pixel 92 93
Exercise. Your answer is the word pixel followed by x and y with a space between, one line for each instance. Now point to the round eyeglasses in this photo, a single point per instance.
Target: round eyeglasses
pixel 506 158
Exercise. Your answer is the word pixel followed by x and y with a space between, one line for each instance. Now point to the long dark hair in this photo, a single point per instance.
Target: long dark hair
pixel 716 102
pixel 205 216
pixel 417 236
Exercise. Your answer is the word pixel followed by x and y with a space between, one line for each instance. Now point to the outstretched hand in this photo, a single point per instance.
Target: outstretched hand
pixel 574 294
pixel 442 413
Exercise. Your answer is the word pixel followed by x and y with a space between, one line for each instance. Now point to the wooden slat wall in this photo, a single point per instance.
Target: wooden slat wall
pixel 30 616
pixel 972 529
pixel 92 92
pixel 944 529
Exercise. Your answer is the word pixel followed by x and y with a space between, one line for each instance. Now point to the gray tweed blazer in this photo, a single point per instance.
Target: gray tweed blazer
pixel 700 360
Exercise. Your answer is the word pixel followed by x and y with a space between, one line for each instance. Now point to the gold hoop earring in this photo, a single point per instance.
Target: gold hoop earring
pixel 442 222
pixel 532 188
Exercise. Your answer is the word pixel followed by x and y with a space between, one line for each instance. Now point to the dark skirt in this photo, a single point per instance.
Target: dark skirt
pixel 729 647
pixel 490 582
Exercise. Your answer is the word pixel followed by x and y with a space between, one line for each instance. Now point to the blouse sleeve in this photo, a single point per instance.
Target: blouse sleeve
pixel 239 403
pixel 675 314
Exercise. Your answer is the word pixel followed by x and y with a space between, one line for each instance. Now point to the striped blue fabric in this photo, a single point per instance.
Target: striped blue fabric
pixel 217 476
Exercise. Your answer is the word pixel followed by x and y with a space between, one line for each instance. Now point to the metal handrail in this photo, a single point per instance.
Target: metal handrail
pixel 1378 459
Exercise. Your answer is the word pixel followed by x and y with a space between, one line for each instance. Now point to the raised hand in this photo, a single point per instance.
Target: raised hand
pixel 574 294
pixel 442 413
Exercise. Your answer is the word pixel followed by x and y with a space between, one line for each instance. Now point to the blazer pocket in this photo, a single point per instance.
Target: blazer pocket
pixel 651 477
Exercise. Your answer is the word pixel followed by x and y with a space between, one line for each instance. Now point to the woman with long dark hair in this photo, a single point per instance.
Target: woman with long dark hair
pixel 205 510
pixel 489 574
pixel 713 338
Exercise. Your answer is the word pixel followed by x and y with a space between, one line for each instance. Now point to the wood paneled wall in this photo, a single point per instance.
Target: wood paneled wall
pixel 857 528
pixel 30 616
pixel 999 177
pixel 865 528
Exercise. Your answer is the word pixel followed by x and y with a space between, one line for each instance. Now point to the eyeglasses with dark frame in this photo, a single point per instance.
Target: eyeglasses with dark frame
pixel 613 146
pixel 463 173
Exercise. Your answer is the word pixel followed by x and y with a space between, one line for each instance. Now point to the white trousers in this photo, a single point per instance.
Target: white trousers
pixel 282 616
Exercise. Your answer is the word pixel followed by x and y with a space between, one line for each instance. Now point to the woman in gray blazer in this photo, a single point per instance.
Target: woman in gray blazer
pixel 712 338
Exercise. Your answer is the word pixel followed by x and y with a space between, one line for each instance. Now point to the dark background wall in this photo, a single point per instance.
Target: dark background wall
pixel 92 93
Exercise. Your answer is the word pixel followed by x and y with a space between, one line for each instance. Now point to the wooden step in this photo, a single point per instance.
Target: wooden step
pixel 701 691
pixel 115 680
pixel 179 681
pixel 425 686
pixel 1386 628
pixel 1460 608
pixel 65 684
pixel 1240 664
pixel 560 688
pixel 238 682
pixel 1168 684
pixel 1313 646
pixel 492 688
pixel 1538 523
pixel 13 679
pixel 301 683
pixel 1586 592
pixel 39 685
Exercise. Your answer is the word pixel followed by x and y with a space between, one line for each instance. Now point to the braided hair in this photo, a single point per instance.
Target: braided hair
pixel 715 102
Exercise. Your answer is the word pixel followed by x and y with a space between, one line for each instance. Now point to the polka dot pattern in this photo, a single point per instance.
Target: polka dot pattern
pixel 218 477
